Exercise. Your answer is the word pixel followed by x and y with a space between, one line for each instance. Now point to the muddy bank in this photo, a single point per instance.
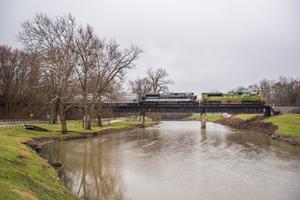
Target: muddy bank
pixel 256 124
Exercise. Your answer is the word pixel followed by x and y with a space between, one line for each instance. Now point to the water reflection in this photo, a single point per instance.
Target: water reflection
pixel 178 160
pixel 88 168
pixel 203 135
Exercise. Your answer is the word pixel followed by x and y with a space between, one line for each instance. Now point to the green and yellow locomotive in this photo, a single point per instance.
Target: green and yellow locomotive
pixel 232 98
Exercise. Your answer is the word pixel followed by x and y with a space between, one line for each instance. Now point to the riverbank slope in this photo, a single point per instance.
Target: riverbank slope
pixel 25 175
pixel 280 127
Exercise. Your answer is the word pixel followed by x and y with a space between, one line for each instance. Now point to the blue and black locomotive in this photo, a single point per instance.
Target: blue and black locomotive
pixel 169 98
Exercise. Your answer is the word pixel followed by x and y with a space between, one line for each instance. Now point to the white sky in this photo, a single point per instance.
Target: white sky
pixel 204 44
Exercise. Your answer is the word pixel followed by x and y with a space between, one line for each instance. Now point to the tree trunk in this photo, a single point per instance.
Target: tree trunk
pixel 54 113
pixel 87 122
pixel 7 109
pixel 86 117
pixel 99 120
pixel 63 123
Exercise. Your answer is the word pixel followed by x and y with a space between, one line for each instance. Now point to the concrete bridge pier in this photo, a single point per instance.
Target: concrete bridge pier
pixel 203 120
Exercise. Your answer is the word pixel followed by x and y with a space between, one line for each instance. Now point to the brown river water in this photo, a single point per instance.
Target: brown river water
pixel 176 160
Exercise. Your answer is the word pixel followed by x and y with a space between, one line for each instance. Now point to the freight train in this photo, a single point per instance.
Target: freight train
pixel 188 98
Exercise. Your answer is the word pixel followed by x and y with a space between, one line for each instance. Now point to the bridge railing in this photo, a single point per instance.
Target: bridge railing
pixel 20 122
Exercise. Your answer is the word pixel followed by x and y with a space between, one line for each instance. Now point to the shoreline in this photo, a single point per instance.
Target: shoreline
pixel 25 173
pixel 257 124
pixel 36 143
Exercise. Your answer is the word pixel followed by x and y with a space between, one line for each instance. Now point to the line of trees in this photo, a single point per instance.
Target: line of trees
pixel 282 92
pixel 62 61
pixel 19 73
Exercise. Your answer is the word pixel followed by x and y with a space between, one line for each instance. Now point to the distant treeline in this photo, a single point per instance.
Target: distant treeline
pixel 20 76
pixel 282 92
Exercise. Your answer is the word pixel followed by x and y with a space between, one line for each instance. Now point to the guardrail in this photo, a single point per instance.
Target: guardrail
pixel 20 122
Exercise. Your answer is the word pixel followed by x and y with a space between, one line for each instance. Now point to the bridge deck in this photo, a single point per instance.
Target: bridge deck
pixel 187 108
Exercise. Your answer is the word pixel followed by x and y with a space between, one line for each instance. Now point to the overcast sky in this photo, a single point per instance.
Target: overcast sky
pixel 205 45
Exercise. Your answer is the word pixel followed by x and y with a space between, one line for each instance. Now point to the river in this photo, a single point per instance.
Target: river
pixel 176 160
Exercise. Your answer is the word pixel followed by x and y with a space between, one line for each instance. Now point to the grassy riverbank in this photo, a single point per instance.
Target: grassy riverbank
pixel 285 127
pixel 247 116
pixel 25 175
pixel 209 117
pixel 288 124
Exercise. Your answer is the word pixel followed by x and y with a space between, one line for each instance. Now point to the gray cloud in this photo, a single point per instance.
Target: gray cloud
pixel 203 44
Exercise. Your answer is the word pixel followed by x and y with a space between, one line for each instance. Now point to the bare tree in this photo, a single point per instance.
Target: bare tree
pixel 19 73
pixel 140 86
pixel 158 80
pixel 239 89
pixel 282 92
pixel 253 88
pixel 12 73
pixel 53 41
pixel 87 47
pixel 110 70
pixel 155 81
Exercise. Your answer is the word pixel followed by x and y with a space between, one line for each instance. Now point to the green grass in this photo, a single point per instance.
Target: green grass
pixel 209 117
pixel 247 116
pixel 25 175
pixel 288 124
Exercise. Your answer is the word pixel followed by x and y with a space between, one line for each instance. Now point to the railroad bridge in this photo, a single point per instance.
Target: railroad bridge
pixel 188 108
